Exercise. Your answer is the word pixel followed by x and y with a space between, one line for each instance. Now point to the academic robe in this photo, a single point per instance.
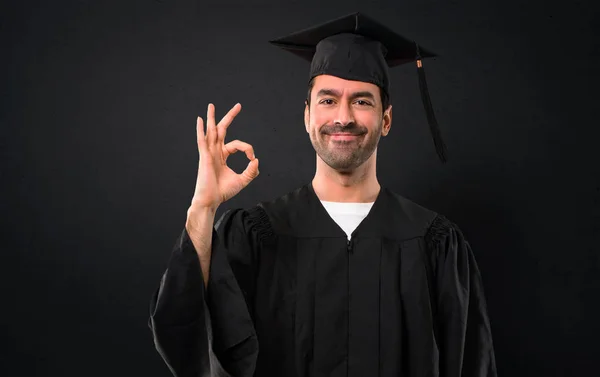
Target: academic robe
pixel 290 295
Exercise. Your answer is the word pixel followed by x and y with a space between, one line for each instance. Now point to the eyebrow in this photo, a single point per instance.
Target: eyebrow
pixel 336 93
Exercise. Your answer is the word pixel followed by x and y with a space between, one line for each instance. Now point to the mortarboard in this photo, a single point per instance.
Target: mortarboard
pixel 356 47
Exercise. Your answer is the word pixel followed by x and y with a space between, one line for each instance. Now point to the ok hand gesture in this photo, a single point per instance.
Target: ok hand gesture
pixel 217 182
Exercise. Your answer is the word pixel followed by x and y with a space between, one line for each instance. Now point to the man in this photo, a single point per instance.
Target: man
pixel 341 277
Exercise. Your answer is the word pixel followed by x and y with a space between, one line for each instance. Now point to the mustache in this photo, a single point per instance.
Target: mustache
pixel 351 129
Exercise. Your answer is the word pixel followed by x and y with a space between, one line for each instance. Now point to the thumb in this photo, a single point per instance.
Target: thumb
pixel 251 171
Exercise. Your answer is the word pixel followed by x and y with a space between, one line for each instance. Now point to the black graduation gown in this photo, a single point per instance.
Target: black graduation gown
pixel 289 295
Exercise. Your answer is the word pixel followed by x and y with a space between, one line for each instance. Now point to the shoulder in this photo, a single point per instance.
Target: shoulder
pixel 406 218
pixel 261 219
pixel 414 212
pixel 253 220
pixel 440 229
pixel 288 212
pixel 289 202
pixel 423 222
pixel 443 240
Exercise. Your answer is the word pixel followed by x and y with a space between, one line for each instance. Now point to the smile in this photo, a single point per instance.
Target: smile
pixel 343 136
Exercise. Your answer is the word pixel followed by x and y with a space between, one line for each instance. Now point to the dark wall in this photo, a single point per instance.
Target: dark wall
pixel 98 161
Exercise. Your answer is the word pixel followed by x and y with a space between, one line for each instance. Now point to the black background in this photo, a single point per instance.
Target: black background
pixel 98 160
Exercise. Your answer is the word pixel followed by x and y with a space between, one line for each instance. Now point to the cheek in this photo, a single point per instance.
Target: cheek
pixel 318 119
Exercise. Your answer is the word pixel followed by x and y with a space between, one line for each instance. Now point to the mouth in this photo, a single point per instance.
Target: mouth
pixel 339 136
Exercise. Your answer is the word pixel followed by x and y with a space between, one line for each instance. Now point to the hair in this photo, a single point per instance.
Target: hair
pixel 385 99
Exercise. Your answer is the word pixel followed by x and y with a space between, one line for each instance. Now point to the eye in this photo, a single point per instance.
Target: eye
pixel 363 102
pixel 327 101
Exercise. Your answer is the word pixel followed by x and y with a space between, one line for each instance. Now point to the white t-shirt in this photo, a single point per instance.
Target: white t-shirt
pixel 347 215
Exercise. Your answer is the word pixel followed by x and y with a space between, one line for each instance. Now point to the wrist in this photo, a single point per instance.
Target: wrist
pixel 201 210
pixel 199 217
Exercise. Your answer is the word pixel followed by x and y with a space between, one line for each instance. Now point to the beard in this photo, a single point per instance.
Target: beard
pixel 345 156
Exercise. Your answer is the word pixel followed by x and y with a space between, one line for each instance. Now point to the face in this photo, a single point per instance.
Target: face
pixel 345 121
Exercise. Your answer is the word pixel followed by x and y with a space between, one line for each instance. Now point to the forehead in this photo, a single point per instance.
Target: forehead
pixel 343 85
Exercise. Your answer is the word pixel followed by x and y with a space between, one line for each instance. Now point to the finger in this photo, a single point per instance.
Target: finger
pixel 200 134
pixel 237 145
pixel 231 114
pixel 250 172
pixel 226 121
pixel 210 115
pixel 211 133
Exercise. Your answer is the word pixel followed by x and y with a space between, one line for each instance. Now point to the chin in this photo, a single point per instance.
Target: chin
pixel 343 166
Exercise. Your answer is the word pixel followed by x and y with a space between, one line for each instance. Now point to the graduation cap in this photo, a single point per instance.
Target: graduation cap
pixel 356 47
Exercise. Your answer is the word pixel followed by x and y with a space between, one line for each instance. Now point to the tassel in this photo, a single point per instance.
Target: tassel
pixel 440 147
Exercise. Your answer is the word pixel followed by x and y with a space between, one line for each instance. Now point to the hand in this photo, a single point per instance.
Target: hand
pixel 216 182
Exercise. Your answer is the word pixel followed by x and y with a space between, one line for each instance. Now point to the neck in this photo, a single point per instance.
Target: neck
pixel 358 186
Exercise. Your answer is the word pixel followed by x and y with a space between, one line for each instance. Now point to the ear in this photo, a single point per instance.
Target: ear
pixel 387 121
pixel 306 116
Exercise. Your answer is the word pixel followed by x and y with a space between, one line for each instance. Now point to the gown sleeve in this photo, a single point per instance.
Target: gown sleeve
pixel 202 331
pixel 462 324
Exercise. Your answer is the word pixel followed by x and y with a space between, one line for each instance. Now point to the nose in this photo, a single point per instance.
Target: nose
pixel 344 115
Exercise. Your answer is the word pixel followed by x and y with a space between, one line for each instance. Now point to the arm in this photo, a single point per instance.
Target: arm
pixel 181 325
pixel 200 329
pixel 463 325
pixel 177 315
pixel 199 227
